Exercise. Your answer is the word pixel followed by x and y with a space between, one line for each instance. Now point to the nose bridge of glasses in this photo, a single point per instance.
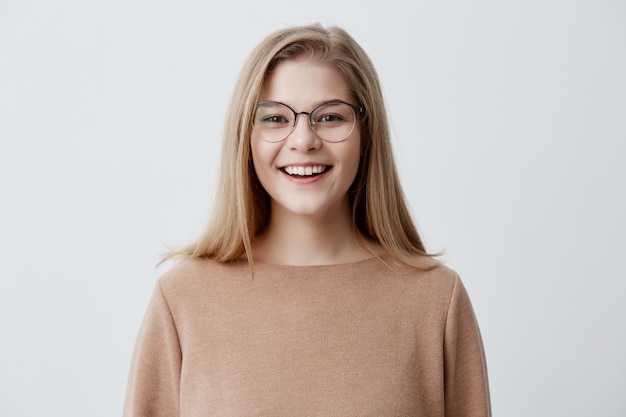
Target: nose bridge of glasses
pixel 309 120
pixel 306 113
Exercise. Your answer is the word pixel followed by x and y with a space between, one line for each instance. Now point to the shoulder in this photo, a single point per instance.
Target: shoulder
pixel 193 274
pixel 423 268
pixel 425 278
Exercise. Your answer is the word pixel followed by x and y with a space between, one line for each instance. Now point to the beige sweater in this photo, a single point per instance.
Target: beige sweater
pixel 358 339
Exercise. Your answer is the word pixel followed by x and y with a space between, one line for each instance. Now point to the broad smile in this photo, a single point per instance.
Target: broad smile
pixel 304 171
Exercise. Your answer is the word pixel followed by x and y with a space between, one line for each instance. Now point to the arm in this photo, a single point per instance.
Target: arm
pixel 154 380
pixel 465 376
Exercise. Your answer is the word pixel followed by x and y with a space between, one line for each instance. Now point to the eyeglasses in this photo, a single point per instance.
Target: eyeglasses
pixel 332 121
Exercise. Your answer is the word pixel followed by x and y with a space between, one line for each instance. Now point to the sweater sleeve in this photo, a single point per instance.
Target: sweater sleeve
pixel 465 375
pixel 154 380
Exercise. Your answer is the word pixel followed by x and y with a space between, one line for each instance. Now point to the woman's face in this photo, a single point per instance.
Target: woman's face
pixel 303 174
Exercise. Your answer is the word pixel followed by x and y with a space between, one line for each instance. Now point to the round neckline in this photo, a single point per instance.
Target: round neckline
pixel 381 258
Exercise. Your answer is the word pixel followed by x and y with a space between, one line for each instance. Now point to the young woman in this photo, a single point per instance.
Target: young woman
pixel 310 292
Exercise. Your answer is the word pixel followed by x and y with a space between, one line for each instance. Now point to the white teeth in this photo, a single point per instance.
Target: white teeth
pixel 305 171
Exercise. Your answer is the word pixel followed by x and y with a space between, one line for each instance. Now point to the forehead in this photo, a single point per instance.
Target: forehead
pixel 304 83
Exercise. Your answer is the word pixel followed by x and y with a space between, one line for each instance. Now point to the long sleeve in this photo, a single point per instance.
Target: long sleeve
pixel 465 376
pixel 154 380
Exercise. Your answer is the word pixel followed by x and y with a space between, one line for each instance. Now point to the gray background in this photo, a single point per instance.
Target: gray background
pixel 509 130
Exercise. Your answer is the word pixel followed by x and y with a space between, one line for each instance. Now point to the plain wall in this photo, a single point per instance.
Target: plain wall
pixel 509 128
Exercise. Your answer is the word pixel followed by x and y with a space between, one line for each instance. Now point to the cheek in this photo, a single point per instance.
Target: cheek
pixel 256 149
pixel 262 155
pixel 351 161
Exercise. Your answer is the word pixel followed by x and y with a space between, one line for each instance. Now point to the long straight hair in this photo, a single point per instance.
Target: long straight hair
pixel 242 206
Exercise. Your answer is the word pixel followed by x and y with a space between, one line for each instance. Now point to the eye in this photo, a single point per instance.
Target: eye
pixel 276 118
pixel 329 118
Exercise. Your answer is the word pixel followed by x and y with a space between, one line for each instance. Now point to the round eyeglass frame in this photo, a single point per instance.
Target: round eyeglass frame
pixel 356 109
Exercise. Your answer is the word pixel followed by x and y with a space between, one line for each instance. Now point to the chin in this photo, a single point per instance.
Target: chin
pixel 308 208
pixel 305 211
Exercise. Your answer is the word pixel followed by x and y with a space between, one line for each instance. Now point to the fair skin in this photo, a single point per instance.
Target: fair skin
pixel 310 221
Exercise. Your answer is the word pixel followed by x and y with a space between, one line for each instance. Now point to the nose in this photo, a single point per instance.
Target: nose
pixel 302 137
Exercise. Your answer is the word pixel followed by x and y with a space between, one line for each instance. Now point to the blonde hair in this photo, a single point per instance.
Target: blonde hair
pixel 241 206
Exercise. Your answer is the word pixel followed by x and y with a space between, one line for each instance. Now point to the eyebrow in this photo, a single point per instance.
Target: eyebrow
pixel 315 104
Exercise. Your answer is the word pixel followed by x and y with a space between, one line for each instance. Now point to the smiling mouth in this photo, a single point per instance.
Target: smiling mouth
pixel 307 171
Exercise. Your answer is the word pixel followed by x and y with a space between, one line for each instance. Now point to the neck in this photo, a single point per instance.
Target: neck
pixel 294 239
